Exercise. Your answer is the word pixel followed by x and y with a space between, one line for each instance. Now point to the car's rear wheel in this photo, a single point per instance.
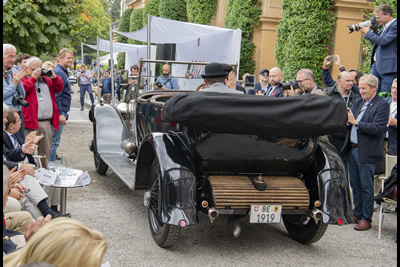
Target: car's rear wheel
pixel 164 235
pixel 307 233
pixel 101 167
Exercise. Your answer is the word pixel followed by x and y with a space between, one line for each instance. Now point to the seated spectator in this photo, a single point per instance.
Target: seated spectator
pixel 327 78
pixel 13 239
pixel 33 200
pixel 261 86
pixel 42 112
pixel 392 124
pixel 64 242
pixel 307 85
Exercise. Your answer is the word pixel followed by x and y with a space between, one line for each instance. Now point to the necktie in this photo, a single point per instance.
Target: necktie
pixel 15 142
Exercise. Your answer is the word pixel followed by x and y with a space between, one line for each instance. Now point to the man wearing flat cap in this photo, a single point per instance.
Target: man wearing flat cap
pixel 214 77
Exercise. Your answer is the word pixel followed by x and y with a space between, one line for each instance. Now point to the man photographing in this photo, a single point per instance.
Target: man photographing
pixel 166 80
pixel 384 51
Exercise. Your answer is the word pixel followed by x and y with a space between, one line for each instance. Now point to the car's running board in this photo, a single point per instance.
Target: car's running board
pixel 123 167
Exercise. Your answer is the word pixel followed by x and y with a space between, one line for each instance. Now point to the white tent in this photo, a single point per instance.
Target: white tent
pixel 104 59
pixel 194 42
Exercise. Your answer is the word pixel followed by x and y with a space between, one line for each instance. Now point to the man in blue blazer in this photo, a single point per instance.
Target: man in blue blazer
pixel 367 120
pixel 384 52
pixel 392 124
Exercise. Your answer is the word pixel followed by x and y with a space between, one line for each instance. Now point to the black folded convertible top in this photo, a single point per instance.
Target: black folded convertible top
pixel 289 117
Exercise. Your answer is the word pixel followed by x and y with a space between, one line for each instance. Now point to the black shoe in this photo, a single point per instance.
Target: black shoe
pixel 58 157
pixel 54 208
pixel 81 109
pixel 62 215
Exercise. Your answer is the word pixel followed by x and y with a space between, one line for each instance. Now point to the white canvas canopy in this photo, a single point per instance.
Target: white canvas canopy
pixel 104 59
pixel 104 46
pixel 194 42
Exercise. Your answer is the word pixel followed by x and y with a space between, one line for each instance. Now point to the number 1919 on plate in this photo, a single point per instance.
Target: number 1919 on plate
pixel 265 213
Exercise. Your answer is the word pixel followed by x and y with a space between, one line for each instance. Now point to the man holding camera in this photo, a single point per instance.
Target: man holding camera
pixel 13 90
pixel 305 82
pixel 384 51
pixel 166 82
pixel 41 86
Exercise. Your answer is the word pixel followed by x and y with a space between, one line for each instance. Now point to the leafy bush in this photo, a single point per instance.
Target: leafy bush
pixel 365 64
pixel 124 24
pixel 153 8
pixel 244 14
pixel 304 35
pixel 173 9
pixel 136 23
pixel 201 11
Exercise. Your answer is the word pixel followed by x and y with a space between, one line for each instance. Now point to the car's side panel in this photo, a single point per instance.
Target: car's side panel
pixel 177 176
pixel 110 131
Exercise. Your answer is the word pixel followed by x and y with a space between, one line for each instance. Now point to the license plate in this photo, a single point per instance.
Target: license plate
pixel 265 213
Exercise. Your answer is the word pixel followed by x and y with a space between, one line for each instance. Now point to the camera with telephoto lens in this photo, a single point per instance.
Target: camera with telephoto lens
pixel 286 86
pixel 19 100
pixel 158 84
pixel 46 73
pixel 372 20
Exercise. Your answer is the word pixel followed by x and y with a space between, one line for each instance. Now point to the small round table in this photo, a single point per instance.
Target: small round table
pixel 64 185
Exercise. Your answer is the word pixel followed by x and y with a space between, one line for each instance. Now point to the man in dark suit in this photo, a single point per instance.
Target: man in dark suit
pixel 384 52
pixel 367 120
pixel 392 123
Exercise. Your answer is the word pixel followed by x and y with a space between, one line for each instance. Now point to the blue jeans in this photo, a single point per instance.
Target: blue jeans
pixel 385 80
pixel 55 142
pixel 362 184
pixel 88 88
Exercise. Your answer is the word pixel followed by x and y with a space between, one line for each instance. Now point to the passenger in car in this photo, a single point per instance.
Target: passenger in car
pixel 214 77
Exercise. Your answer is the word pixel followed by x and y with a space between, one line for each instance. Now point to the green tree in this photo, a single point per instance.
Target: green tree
pixel 153 8
pixel 136 23
pixel 304 35
pixel 173 9
pixel 244 14
pixel 365 64
pixel 115 10
pixel 98 26
pixel 201 11
pixel 123 25
pixel 40 26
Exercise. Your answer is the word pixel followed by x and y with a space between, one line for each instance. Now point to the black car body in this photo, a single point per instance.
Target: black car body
pixel 227 154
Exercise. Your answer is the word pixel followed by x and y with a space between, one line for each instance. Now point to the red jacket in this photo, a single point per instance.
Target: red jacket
pixel 30 113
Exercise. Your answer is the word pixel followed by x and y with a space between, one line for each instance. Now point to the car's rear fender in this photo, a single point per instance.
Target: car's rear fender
pixel 333 187
pixel 177 176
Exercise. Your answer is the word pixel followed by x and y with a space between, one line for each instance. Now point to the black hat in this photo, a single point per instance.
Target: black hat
pixel 264 70
pixel 214 69
pixel 227 68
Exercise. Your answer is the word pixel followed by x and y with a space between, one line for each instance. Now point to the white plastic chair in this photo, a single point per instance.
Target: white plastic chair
pixel 390 161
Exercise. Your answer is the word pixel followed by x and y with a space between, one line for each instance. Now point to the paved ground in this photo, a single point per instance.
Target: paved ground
pixel 118 212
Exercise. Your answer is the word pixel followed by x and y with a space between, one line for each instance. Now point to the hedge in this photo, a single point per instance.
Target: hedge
pixel 304 35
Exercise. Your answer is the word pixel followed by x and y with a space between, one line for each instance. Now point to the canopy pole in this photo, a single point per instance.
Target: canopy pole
pixel 112 69
pixel 148 51
pixel 98 69
pixel 83 63
pixel 238 39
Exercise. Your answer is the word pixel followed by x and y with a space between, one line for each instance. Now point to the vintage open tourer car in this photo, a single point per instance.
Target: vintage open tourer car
pixel 245 157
